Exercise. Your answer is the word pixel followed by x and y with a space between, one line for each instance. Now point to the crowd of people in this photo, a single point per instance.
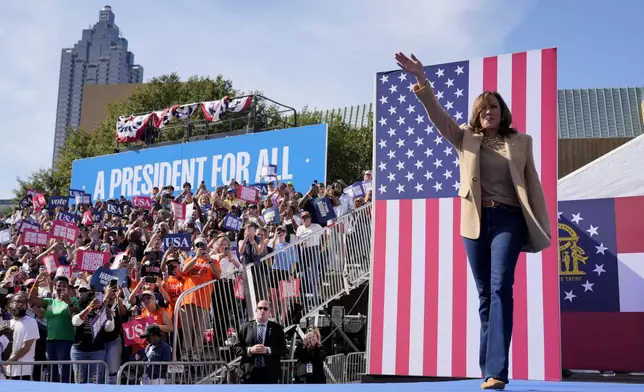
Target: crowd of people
pixel 76 279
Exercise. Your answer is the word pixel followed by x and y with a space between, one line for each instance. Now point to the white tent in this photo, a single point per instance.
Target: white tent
pixel 616 174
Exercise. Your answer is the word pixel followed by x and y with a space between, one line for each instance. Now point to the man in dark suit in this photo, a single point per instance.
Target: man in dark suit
pixel 261 345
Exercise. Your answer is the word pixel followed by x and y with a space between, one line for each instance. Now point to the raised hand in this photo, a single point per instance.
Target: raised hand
pixel 411 65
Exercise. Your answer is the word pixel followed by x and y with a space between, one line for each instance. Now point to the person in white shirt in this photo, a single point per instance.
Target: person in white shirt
pixel 25 334
pixel 311 259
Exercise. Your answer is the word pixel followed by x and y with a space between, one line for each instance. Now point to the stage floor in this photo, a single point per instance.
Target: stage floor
pixel 450 386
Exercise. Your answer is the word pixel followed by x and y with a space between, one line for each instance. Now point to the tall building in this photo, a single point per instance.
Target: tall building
pixel 100 57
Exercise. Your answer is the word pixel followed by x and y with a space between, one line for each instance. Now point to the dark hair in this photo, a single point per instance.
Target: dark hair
pixel 481 103
pixel 61 278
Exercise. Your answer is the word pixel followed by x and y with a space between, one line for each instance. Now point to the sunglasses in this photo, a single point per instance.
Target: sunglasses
pixel 200 245
pixel 265 308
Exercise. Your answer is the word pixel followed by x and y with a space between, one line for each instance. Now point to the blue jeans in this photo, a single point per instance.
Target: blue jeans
pixel 84 376
pixel 58 350
pixel 113 351
pixel 493 258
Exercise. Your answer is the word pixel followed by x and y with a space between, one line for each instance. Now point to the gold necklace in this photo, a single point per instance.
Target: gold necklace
pixel 493 141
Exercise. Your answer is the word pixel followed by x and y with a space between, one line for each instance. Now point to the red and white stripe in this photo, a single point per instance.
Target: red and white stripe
pixel 424 306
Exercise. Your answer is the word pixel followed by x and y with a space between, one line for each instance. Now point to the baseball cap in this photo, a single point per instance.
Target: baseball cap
pixel 148 292
pixel 151 330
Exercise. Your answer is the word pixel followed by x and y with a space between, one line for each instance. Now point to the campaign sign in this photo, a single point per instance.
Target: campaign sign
pixel 84 199
pixel 98 322
pixel 5 236
pixel 299 154
pixel 97 215
pixel 249 194
pixel 323 209
pixel 132 330
pixel 232 222
pixel 104 275
pixel 271 215
pixel 67 217
pixel 24 224
pixel 90 261
pixel 261 187
pixel 182 241
pixel 58 201
pixel 32 237
pixel 115 209
pixel 64 231
pixel 144 202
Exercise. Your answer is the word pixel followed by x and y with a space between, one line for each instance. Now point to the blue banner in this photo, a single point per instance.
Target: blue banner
pixel 67 217
pixel 232 222
pixel 271 215
pixel 323 209
pixel 58 201
pixel 299 154
pixel 104 275
pixel 181 241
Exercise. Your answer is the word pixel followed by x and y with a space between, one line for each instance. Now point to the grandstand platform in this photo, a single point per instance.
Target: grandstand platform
pixel 449 386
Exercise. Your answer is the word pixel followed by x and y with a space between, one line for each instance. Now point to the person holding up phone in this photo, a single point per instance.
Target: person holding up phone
pixel 58 314
pixel 88 347
pixel 201 268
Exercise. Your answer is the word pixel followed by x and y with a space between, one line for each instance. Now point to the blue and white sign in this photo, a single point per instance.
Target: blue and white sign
pixel 299 154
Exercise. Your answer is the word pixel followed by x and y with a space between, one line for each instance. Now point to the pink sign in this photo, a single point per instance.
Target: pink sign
pixel 90 261
pixel 65 231
pixel 132 330
pixel 248 194
pixel 33 237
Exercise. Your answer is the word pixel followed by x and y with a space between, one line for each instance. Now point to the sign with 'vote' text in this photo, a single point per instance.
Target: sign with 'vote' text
pixel 298 153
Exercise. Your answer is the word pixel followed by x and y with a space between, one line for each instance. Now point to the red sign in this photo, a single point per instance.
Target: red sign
pixel 90 261
pixel 248 194
pixel 50 263
pixel 65 231
pixel 33 237
pixel 132 330
pixel 289 288
pixel 64 270
pixel 144 202
pixel 87 218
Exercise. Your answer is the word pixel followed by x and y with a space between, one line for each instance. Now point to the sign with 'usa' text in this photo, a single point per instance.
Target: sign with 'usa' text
pixel 299 155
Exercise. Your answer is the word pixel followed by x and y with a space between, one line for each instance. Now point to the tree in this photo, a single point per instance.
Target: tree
pixel 350 150
pixel 42 180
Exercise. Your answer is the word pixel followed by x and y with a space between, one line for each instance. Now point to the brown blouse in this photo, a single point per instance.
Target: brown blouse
pixel 496 181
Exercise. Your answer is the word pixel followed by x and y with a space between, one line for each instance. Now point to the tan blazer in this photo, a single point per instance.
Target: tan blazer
pixel 522 168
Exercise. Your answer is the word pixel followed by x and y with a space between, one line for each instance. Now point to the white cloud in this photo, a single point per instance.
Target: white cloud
pixel 320 54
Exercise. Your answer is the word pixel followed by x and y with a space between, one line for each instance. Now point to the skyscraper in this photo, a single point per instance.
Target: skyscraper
pixel 100 57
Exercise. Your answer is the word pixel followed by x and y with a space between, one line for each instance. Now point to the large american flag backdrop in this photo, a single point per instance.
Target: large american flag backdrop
pixel 424 306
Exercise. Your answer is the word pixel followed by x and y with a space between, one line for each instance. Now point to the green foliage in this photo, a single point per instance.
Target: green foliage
pixel 349 149
pixel 41 180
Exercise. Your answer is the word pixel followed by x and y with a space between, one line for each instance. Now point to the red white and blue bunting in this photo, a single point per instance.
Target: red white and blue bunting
pixel 131 128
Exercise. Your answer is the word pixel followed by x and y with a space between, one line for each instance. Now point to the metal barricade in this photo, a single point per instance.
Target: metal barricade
pixel 304 276
pixel 206 320
pixel 334 368
pixel 355 367
pixel 174 373
pixel 289 372
pixel 79 372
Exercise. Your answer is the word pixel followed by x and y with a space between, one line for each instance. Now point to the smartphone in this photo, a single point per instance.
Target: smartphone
pixel 99 296
pixel 150 279
pixel 113 283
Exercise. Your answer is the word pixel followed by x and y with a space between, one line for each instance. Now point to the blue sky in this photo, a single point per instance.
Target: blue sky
pixel 320 54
